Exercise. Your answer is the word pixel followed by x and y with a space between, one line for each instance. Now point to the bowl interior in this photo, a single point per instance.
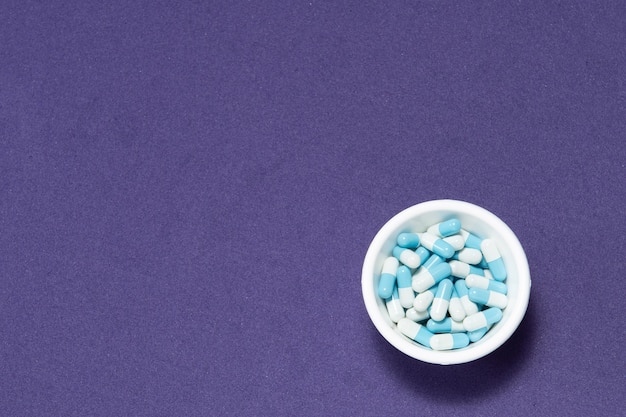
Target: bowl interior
pixel 475 220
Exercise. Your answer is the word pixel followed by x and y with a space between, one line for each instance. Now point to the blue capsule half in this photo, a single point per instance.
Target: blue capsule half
pixel 432 261
pixel 476 335
pixel 446 325
pixel 403 277
pixel 423 254
pixel 440 272
pixel 449 227
pixel 388 277
pixel 471 240
pixel 408 240
pixel 478 295
pixel 497 269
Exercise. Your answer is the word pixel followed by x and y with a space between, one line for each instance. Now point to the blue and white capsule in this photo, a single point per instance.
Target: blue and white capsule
pixel 494 259
pixel 439 308
pixel 476 281
pixel 449 341
pixel 469 256
pixel 415 331
pixel 482 319
pixel 446 325
pixel 388 277
pixel 424 300
pixel 476 335
pixel 462 269
pixel 488 298
pixel 405 280
pixel 394 308
pixel 408 240
pixel 468 305
pixel 407 256
pixel 471 240
pixel 417 316
pixel 437 245
pixel 455 309
pixel 427 278
pixel 445 229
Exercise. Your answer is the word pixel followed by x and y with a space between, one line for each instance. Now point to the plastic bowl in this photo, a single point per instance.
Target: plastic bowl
pixel 474 219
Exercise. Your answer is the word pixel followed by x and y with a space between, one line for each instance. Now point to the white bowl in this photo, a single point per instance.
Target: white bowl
pixel 474 219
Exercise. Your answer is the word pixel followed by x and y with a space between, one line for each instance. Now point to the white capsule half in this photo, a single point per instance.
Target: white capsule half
pixel 462 269
pixel 456 241
pixel 469 256
pixel 476 281
pixel 441 301
pixel 417 316
pixel 424 300
pixel 394 308
pixel 456 310
pixel 407 256
pixel 447 341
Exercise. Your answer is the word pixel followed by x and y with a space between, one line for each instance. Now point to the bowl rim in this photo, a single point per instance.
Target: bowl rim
pixel 452 356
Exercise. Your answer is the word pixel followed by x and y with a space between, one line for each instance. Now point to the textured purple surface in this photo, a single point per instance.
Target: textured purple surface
pixel 187 193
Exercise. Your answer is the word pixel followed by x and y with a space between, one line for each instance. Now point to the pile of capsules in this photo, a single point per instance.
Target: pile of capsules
pixel 444 288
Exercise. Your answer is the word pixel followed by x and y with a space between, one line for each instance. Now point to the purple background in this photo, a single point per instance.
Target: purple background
pixel 187 192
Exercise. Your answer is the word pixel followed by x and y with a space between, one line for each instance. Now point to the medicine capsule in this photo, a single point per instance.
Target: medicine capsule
pixel 449 341
pixel 439 308
pixel 461 269
pixel 415 331
pixel 407 257
pixel 456 241
pixel 469 256
pixel 408 240
pixel 494 260
pixel 476 335
pixel 468 305
pixel 426 278
pixel 482 319
pixel 476 281
pixel 488 298
pixel 424 300
pixel 416 316
pixel 446 325
pixel 388 277
pixel 456 310
pixel 404 280
pixel 436 245
pixel 394 308
pixel 471 240
pixel 445 229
